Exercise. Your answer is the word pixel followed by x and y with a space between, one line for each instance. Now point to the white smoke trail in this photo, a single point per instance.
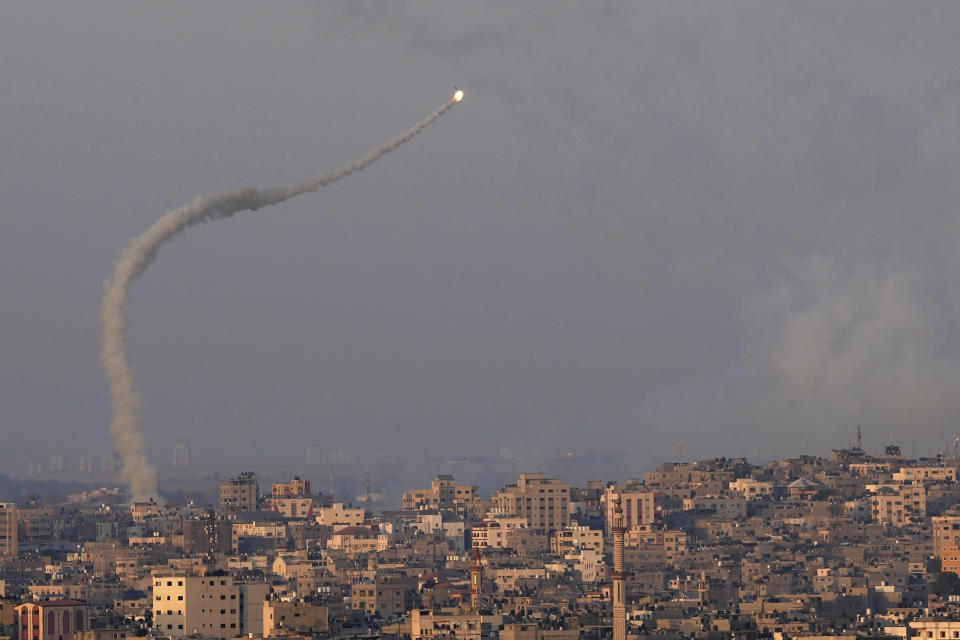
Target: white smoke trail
pixel 136 472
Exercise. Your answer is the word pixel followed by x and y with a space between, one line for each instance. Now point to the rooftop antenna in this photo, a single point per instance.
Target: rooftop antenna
pixel 366 482
pixel 956 443
pixel 859 439
pixel 680 451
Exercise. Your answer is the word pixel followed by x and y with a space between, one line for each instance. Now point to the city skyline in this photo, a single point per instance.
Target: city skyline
pixel 732 225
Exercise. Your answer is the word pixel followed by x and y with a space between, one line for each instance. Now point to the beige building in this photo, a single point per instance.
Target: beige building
pixel 303 617
pixel 899 507
pixel 544 502
pixel 493 533
pixel 444 493
pixel 257 529
pixel 240 493
pixel 142 511
pixel 336 515
pixel 211 605
pixel 8 529
pixel 466 626
pixel 935 629
pixel 726 508
pixel 750 488
pixel 295 487
pixel 354 540
pixel 639 507
pixel 291 507
pixel 50 619
pixel 533 631
pixel 946 534
pixel 926 474
pixel 577 537
pixel 387 596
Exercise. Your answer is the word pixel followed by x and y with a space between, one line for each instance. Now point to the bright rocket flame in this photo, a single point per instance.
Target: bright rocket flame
pixel 458 95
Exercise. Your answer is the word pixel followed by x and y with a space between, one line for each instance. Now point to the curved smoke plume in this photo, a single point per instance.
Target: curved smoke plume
pixel 136 472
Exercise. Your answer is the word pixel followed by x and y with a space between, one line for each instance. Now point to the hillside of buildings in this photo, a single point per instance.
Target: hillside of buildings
pixel 852 545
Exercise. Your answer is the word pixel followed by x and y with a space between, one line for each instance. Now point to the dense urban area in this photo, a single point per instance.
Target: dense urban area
pixel 851 545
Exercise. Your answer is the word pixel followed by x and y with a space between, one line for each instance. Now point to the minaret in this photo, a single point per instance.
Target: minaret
pixel 476 580
pixel 619 606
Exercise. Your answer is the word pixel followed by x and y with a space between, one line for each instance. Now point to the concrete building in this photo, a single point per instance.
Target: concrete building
pixel 336 515
pixel 494 534
pixel 750 488
pixel 946 534
pixel 240 493
pixel 726 508
pixel 291 507
pixel 926 474
pixel 935 629
pixel 899 506
pixel 257 529
pixel 354 540
pixel 639 506
pixel 300 617
pixel 142 511
pixel 50 619
pixel 465 626
pixel 8 529
pixel 386 596
pixel 211 605
pixel 295 487
pixel 544 502
pixel 444 493
pixel 577 537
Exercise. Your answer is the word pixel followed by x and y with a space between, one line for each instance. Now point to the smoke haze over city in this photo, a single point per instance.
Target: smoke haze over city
pixel 732 223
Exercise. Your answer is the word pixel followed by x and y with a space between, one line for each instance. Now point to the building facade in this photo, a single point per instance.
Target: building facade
pixel 639 507
pixel 240 493
pixel 50 619
pixel 211 605
pixel 544 502
pixel 8 529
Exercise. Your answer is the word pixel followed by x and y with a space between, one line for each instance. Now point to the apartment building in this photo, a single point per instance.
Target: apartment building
pixel 336 515
pixel 280 618
pixel 296 487
pixel 544 502
pixel 577 537
pixel 210 605
pixel 444 493
pixel 639 506
pixel 240 493
pixel 8 529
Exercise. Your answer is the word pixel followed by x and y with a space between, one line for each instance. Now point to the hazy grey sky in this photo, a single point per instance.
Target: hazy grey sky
pixel 732 223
